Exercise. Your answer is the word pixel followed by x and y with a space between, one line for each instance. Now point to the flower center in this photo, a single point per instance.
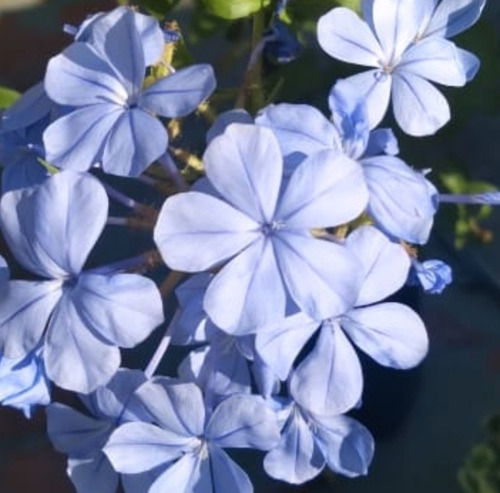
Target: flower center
pixel 270 228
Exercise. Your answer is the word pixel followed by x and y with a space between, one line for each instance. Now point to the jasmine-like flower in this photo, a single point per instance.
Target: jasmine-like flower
pixel 186 441
pixel 114 120
pixel 405 56
pixel 433 275
pixel 80 318
pixel 267 235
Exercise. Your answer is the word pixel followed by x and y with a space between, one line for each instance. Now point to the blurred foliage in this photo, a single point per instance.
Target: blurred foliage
pixel 7 97
pixel 480 472
pixel 469 218
pixel 235 9
pixel 158 8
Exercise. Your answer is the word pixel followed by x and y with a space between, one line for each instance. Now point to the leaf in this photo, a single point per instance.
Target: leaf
pixel 234 9
pixel 158 8
pixel 8 97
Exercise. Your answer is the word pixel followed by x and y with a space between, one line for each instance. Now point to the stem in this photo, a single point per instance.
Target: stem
pixel 117 221
pixel 173 172
pixel 487 198
pixel 147 260
pixel 120 197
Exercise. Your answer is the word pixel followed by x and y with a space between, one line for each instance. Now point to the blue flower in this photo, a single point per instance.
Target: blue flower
pixel 389 40
pixel 114 122
pixel 82 437
pixel 186 443
pixel 433 275
pixel 401 200
pixel 80 317
pixel 309 442
pixel 267 235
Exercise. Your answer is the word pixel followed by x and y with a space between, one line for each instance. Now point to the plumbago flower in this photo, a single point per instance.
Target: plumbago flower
pixel 329 381
pixel 185 441
pixel 80 318
pixel 83 436
pixel 265 233
pixel 401 200
pixel 404 41
pixel 113 122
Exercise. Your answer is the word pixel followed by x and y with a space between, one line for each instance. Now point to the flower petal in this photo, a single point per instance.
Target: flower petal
pixel 122 308
pixel 226 474
pixel 435 59
pixel 76 359
pixel 326 189
pixel 419 108
pixel 75 141
pixel 179 93
pixel 52 228
pixel 133 143
pixel 343 35
pixel 391 333
pixel 245 165
pixel 323 278
pixel 385 264
pixel 329 380
pixel 253 283
pixel 196 232
pixel 93 474
pixel 25 308
pixel 454 16
pixel 297 458
pixel 243 421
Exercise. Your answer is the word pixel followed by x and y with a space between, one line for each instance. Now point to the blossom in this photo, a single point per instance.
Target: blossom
pixel 433 275
pixel 80 317
pixel 113 121
pixel 388 39
pixel 186 441
pixel 265 233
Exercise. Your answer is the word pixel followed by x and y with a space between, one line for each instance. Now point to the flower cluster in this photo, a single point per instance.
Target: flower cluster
pixel 297 230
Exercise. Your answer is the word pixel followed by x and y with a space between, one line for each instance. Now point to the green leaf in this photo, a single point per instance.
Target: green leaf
pixel 7 97
pixel 234 9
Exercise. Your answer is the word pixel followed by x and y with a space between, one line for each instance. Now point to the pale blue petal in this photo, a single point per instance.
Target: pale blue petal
pixel 297 458
pixel 323 278
pixel 391 333
pixel 326 189
pixel 122 51
pixel 93 474
pixel 266 381
pixel 133 143
pixel 243 421
pixel 75 434
pixel 350 115
pixel 279 344
pixel 179 93
pixel 137 447
pixel 400 199
pixel 24 173
pixel 24 384
pixel 382 141
pixel 347 445
pixel 225 119
pixel 470 63
pixel 435 59
pixel 419 108
pixel 31 107
pixel 343 35
pixel 385 264
pixel 25 308
pixel 79 77
pixel 190 474
pixel 253 283
pixel 196 232
pixel 95 29
pixel 245 165
pixel 52 228
pixel 116 400
pixel 226 474
pixel 397 23
pixel 122 308
pixel 454 16
pixel 74 357
pixel 432 275
pixel 329 380
pixel 4 270
pixel 75 141
pixel 300 129
pixel 178 407
pixel 375 86
pixel 196 366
